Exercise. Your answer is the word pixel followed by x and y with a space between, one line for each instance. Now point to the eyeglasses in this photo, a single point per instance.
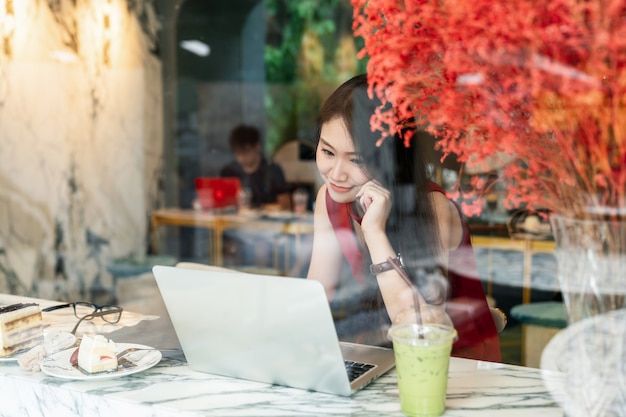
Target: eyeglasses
pixel 87 311
pixel 110 315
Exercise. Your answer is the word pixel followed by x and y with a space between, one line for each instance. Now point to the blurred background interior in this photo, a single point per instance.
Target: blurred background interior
pixel 110 109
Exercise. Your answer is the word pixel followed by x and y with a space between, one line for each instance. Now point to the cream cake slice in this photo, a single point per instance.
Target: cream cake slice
pixel 96 354
pixel 21 327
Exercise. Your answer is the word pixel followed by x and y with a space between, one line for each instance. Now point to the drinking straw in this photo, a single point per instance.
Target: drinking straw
pixel 405 277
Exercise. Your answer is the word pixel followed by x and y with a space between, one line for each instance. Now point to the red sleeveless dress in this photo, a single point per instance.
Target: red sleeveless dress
pixel 467 306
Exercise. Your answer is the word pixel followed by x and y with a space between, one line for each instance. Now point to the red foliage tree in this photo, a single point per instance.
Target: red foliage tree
pixel 542 81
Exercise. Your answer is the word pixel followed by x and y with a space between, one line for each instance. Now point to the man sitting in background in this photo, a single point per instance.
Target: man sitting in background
pixel 265 182
pixel 264 179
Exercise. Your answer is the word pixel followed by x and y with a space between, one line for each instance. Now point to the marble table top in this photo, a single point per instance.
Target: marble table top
pixel 171 388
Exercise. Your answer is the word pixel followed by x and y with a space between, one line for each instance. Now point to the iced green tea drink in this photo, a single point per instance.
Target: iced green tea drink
pixel 422 367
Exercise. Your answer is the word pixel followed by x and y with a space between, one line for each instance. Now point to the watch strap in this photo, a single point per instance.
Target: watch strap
pixel 387 265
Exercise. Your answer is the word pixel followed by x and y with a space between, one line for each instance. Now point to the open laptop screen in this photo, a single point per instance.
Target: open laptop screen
pixel 217 192
pixel 263 328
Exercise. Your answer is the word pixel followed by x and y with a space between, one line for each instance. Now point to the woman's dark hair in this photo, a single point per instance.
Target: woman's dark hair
pixel 412 228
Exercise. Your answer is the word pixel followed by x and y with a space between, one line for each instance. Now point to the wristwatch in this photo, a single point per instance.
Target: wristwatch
pixel 387 265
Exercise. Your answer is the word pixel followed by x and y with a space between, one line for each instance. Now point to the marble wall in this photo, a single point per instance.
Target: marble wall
pixel 81 141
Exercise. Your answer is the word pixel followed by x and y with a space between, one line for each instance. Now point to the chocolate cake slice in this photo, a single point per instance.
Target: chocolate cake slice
pixel 21 327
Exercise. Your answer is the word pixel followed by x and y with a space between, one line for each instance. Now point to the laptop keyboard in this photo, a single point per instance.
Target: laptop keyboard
pixel 356 369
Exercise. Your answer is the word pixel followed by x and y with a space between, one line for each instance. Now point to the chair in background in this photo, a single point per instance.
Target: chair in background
pixel 205 267
pixel 299 169
pixel 247 269
pixel 132 268
pixel 540 322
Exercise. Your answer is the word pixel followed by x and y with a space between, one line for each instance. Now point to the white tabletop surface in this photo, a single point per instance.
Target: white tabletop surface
pixel 172 389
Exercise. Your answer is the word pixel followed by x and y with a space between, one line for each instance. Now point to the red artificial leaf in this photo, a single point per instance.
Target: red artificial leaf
pixel 544 80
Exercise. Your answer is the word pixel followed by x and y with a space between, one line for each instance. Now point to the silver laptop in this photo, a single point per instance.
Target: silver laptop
pixel 264 328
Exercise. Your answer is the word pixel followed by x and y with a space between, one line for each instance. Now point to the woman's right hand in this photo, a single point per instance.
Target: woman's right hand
pixel 376 201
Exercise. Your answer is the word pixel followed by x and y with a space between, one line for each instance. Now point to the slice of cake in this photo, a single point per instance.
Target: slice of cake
pixel 96 353
pixel 21 327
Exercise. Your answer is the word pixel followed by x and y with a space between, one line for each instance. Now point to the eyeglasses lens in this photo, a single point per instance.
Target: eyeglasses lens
pixel 112 314
pixel 82 309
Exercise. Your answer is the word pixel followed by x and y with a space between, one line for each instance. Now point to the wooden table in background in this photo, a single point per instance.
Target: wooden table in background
pixel 284 223
pixel 527 246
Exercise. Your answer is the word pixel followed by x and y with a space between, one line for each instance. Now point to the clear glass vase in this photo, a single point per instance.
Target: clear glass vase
pixel 591 258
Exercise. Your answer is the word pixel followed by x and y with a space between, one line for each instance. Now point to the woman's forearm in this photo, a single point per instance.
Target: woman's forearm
pixel 396 293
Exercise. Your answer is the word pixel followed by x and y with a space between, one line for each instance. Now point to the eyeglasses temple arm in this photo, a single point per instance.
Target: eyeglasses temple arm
pixel 87 317
pixel 57 307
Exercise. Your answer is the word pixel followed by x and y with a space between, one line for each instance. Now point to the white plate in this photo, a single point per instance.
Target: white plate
pixel 573 357
pixel 53 340
pixel 59 364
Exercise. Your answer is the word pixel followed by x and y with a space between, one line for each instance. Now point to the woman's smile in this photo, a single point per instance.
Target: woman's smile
pixel 338 163
pixel 338 188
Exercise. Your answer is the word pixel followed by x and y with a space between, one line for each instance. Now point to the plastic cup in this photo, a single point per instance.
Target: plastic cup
pixel 244 199
pixel 300 201
pixel 422 367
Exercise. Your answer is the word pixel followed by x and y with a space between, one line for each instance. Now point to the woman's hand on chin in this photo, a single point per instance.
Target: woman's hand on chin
pixel 376 202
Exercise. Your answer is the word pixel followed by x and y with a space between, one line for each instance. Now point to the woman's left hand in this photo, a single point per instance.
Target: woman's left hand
pixel 376 202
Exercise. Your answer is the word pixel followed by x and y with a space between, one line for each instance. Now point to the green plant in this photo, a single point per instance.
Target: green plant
pixel 302 39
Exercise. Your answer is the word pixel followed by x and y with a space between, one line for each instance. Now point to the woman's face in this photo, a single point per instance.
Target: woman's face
pixel 340 167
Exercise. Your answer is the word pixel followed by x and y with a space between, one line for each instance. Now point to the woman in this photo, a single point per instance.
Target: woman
pixel 376 203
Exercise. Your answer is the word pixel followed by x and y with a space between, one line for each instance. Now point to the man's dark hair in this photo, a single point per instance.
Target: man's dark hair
pixel 243 136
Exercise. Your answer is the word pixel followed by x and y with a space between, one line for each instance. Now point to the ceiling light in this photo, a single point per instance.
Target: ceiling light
pixel 196 47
